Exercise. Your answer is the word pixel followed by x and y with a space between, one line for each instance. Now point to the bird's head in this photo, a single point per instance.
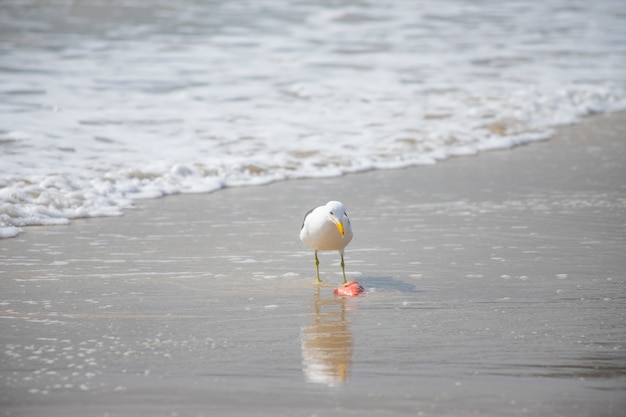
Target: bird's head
pixel 337 213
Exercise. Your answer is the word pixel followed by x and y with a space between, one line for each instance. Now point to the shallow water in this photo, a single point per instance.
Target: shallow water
pixel 192 328
pixel 101 105
pixel 506 299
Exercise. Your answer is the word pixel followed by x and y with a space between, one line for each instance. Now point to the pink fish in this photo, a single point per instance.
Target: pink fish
pixel 349 289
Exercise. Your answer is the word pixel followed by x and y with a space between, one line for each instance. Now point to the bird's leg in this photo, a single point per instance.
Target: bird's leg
pixel 343 269
pixel 317 268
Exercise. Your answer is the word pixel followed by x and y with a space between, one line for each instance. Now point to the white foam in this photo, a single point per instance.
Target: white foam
pixel 93 120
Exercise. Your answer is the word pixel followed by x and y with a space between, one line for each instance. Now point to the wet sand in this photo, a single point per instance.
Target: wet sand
pixel 496 287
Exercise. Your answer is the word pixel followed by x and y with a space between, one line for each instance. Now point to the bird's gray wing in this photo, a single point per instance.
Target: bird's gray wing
pixel 305 216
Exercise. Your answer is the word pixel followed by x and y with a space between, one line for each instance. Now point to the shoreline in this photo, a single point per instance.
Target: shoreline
pixel 495 287
pixel 10 231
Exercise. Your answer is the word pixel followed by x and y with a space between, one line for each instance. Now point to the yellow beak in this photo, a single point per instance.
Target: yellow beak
pixel 340 227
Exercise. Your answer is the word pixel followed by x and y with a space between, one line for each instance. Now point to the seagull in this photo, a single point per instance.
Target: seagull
pixel 327 228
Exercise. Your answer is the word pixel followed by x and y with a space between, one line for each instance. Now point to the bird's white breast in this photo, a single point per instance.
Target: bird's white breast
pixel 320 233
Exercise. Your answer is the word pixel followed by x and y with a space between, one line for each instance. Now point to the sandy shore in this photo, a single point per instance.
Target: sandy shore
pixel 496 287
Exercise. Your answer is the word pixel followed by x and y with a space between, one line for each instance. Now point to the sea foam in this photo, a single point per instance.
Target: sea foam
pixel 97 112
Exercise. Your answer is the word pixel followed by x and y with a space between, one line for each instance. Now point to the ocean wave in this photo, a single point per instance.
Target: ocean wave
pixel 97 111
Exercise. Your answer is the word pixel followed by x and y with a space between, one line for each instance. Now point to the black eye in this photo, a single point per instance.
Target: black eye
pixel 332 214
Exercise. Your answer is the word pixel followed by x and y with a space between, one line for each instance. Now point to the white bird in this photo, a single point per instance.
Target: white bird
pixel 327 228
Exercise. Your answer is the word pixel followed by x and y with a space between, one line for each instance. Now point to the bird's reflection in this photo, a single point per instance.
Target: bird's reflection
pixel 327 342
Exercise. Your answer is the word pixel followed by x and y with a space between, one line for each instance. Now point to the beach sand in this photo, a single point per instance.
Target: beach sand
pixel 496 287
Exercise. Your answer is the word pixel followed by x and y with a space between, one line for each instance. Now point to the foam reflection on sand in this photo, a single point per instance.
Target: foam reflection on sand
pixel 327 342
